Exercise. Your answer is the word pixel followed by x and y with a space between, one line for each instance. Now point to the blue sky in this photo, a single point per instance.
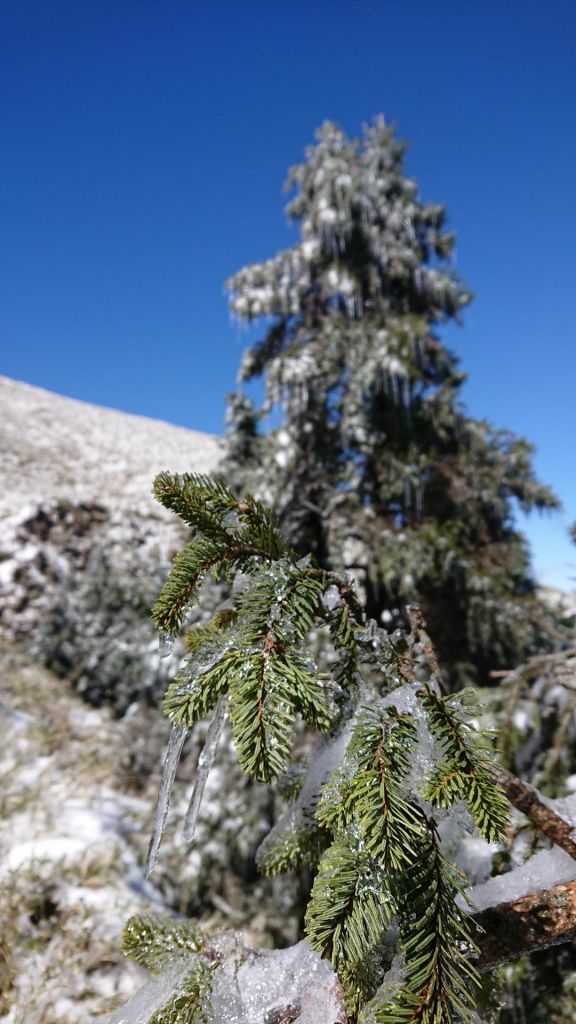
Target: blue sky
pixel 144 148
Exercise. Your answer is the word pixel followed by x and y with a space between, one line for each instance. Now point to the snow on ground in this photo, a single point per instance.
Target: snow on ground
pixel 52 447
pixel 84 547
pixel 69 873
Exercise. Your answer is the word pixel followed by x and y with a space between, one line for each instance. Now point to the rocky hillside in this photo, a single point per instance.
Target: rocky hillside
pixel 84 547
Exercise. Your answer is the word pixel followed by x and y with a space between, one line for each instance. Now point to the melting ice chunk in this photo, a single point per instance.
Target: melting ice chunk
pixel 165 645
pixel 151 998
pixel 292 984
pixel 304 562
pixel 331 598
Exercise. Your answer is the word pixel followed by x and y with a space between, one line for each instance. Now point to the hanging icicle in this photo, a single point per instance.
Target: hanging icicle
pixel 171 760
pixel 205 762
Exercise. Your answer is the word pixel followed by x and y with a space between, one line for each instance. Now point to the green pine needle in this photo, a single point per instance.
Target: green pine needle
pixel 189 699
pixel 350 905
pixel 465 771
pixel 153 941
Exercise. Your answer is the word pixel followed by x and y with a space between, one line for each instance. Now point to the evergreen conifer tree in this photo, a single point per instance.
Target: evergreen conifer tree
pixel 374 465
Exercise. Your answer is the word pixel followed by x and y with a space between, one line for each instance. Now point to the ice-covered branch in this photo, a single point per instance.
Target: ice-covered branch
pixel 525 925
pixel 534 905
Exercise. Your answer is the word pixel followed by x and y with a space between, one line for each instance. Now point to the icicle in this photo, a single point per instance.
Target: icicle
pixel 165 645
pixel 205 762
pixel 175 744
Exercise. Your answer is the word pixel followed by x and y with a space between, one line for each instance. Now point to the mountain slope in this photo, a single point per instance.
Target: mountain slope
pixel 52 447
pixel 84 548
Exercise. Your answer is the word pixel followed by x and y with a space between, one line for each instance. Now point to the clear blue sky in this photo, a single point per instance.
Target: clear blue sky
pixel 143 150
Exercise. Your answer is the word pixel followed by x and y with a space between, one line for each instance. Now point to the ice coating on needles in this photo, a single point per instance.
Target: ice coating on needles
pixel 328 757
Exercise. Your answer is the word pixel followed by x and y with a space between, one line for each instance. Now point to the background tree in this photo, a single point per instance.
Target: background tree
pixel 371 462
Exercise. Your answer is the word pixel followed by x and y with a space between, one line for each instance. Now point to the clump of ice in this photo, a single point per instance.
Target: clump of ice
pixel 294 979
pixel 151 998
pixel 392 983
pixel 293 983
pixel 331 598
pixel 463 846
pixel 326 759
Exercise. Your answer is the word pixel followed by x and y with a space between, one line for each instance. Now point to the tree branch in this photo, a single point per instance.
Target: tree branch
pixel 534 922
pixel 526 799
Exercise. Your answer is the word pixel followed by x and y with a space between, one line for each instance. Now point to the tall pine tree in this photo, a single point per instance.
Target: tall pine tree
pixel 362 445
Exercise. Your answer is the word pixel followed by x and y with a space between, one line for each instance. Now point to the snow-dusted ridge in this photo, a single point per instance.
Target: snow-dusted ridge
pixel 52 447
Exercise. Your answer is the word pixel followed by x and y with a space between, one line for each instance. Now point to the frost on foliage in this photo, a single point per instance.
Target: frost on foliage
pixel 78 581
pixel 83 545
pixel 69 864
pixel 534 708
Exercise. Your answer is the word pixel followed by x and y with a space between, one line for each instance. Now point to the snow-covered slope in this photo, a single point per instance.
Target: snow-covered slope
pixel 84 548
pixel 52 447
